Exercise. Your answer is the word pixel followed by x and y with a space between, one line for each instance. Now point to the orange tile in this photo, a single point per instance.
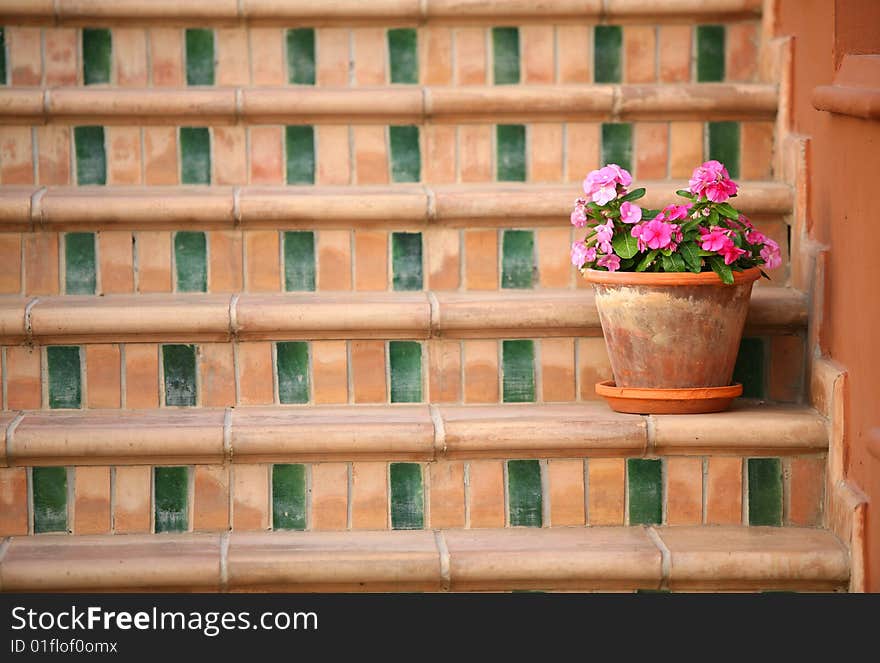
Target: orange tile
pixel 267 56
pixel 652 150
pixel 263 261
pixel 334 260
pixel 756 150
pixel 13 501
pixel 369 495
pixel 230 157
pixel 554 265
pixel 435 57
pixel 575 45
pixel 742 51
pixel 16 155
pixel 330 372
pixel 724 491
pixel 368 371
pixel 123 155
pixel 10 263
pixel 370 154
pixel 166 53
pixel 475 152
pixel 369 55
pixel 581 150
pixel 116 261
pixel 25 59
pixel 486 493
pixel 684 491
pixel 211 498
pixel 444 378
pixel 446 498
pixel 250 497
pixel 91 512
pixel 153 249
pixel 806 491
pixel 331 56
pixel 538 58
pixel 545 152
pixel 786 372
pixel 566 479
pixel 267 155
pixel 53 155
pixel 225 273
pixel 443 258
pixel 256 386
pixel 232 56
pixel 333 155
pixel 685 148
pixel 141 375
pixel 593 366
pixel 470 56
pixel 61 52
pixel 103 376
pixel 675 53
pixel 217 371
pixel 41 263
pixel 160 156
pixel 606 479
pixel 23 378
pixel 481 259
pixel 132 489
pixel 329 496
pixel 439 163
pixel 370 260
pixel 130 57
pixel 480 371
pixel 557 369
pixel 639 54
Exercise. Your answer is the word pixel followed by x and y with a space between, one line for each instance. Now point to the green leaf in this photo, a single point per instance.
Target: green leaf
pixel 691 225
pixel 626 264
pixel 648 214
pixel 728 211
pixel 635 194
pixel 625 245
pixel 678 263
pixel 647 260
pixel 684 193
pixel 690 253
pixel 724 272
pixel 667 263
pixel 714 218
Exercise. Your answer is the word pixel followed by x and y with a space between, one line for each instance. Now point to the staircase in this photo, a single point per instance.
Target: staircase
pixel 287 305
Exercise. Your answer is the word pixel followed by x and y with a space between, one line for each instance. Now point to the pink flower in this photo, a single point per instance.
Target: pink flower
pixel 630 213
pixel 744 220
pixel 675 212
pixel 579 217
pixel 622 176
pixel 731 253
pixel 712 180
pixel 604 233
pixel 601 185
pixel 714 239
pixel 610 262
pixel 756 237
pixel 770 254
pixel 582 254
pixel 656 234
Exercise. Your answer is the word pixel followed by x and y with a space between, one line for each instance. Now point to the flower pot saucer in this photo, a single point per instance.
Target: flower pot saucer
pixel 637 400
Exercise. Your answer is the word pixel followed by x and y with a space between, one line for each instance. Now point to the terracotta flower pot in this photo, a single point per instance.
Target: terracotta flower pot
pixel 668 332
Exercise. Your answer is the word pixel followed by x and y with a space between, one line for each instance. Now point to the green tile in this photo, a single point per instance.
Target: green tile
pixel 645 485
pixel 299 260
pixel 607 42
pixel 724 145
pixel 65 376
pixel 511 151
pixel 300 144
pixel 301 56
pixel 406 261
pixel 765 491
pixel 91 157
pixel 617 144
pixel 195 155
pixel 518 365
pixel 199 56
pixel 191 261
pixel 79 263
pixel 3 77
pixel 403 55
pixel 407 502
pixel 171 488
pixel 518 259
pixel 179 367
pixel 505 53
pixel 289 497
pixel 524 493
pixel 406 159
pixel 710 53
pixel 406 371
pixel 50 499
pixel 96 50
pixel 292 364
pixel 749 369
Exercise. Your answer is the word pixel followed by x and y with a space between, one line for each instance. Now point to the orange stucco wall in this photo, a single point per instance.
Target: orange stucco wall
pixel 844 213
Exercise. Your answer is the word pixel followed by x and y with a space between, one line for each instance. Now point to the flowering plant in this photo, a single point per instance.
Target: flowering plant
pixel 705 233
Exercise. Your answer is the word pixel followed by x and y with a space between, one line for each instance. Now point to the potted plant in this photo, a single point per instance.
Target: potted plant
pixel 672 288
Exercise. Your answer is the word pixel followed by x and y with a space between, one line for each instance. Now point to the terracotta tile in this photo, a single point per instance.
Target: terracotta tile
pixel 581 149
pixel 333 155
pixel 41 263
pixel 443 258
pixel 61 56
pixel 331 56
pixel 481 259
pixel 263 261
pixel 329 372
pixel 435 57
pixel 334 260
pixel 368 371
pixel 606 479
pixel 116 261
pixel 545 152
pixel 806 490
pixel 153 248
pixel 53 155
pixel 475 152
pixel 10 263
pixel 232 56
pixel 481 371
pixel 554 266
pixel 685 148
pixel 166 53
pixel 369 55
pixel 439 163
pixel 538 59
pixel 225 273
pixel 486 493
pixel 23 378
pixel 575 45
pixel 470 56
pixel 756 150
pixel 256 386
pixel 141 375
pixel 103 376
pixel 593 366
pixel 447 494
pixel 267 155
pixel 13 501
pixel 131 499
pixel 250 497
pixel 652 150
pixel 557 369
pixel 123 155
pixel 25 64
pixel 786 372
pixel 369 495
pixel 639 54
pixel 370 154
pixel 724 491
pixel 267 56
pixel 91 512
pixel 130 57
pixel 217 372
pixel 566 479
pixel 160 156
pixel 370 260
pixel 329 496
pixel 684 491
pixel 675 53
pixel 742 51
pixel 230 157
pixel 16 155
pixel 211 498
pixel 444 377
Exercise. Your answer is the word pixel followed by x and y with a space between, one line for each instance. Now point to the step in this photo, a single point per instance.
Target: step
pixel 595 558
pixel 398 432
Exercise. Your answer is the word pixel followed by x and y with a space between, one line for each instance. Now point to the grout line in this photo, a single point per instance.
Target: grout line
pixel 505 491
pixel 705 490
pixel 439 432
pixel 443 551
pixel 230 498
pixel 10 432
pixel 434 303
pixel 112 499
pixel 349 500
pixel 744 486
pixel 467 494
pixel 224 561
pixel 227 435
pixel 29 477
pixel 236 207
pixel 586 465
pixel 650 436
pixel 4 378
pixel 543 466
pixel 36 210
pixel 6 542
pixel 425 470
pixel 665 556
